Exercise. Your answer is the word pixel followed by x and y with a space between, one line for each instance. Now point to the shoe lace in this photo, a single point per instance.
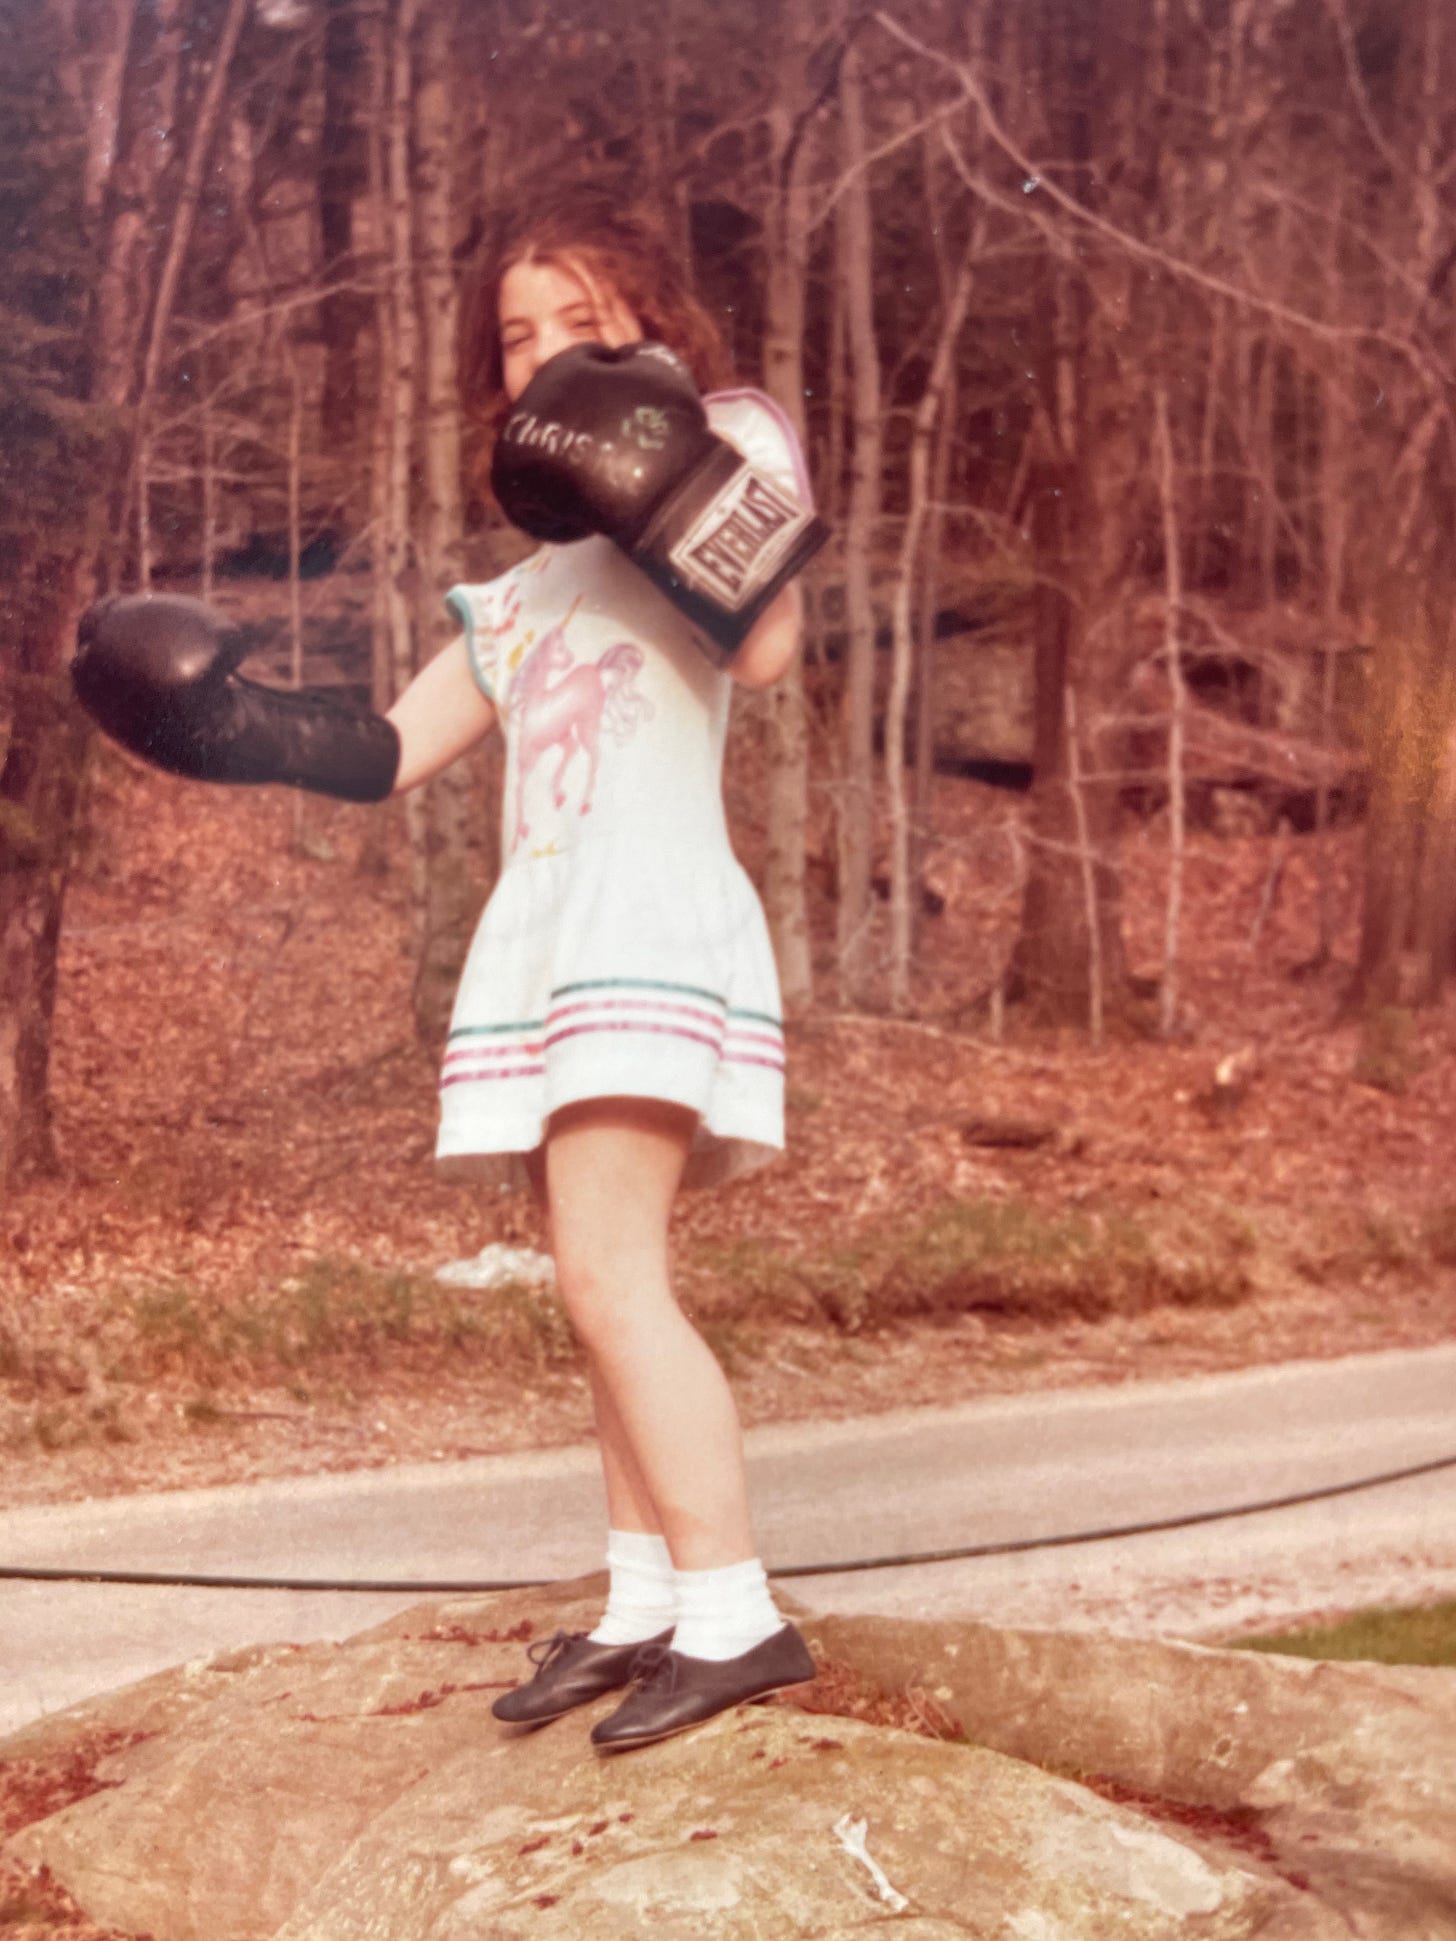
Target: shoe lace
pixel 656 1665
pixel 545 1651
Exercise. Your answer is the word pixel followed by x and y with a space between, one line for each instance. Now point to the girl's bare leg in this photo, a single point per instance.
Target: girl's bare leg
pixel 629 1501
pixel 667 1416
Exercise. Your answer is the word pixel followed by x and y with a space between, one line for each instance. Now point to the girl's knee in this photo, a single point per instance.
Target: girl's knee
pixel 607 1307
pixel 585 1300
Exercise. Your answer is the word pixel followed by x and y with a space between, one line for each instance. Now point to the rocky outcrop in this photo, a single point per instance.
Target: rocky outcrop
pixel 1348 1771
pixel 1105 1788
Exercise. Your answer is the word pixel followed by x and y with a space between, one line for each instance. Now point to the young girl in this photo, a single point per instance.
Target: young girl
pixel 617 1033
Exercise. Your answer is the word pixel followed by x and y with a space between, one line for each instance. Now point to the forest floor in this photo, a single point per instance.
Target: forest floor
pixel 233 1275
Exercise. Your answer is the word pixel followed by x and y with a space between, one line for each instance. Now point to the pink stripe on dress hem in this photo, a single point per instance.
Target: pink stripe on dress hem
pixel 492 1052
pixel 653 1030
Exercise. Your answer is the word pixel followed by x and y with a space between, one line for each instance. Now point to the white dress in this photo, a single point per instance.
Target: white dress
pixel 623 951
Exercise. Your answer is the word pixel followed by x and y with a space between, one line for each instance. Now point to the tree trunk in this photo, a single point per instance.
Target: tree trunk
pixel 40 782
pixel 183 213
pixel 1073 819
pixel 1408 928
pixel 1433 936
pixel 856 795
pixel 927 666
pixel 1068 960
pixel 178 232
pixel 40 785
pixel 295 551
pixel 786 244
pixel 397 407
pixel 450 798
pixel 342 177
pixel 1177 703
pixel 381 607
pixel 923 443
pixel 207 470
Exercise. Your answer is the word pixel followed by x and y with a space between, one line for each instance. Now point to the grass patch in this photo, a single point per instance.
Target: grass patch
pixel 1388 1058
pixel 732 1344
pixel 12 1359
pixel 1362 1245
pixel 69 1424
pixel 998 1257
pixel 1440 1235
pixel 755 1277
pixel 335 1311
pixel 1014 1258
pixel 1382 1637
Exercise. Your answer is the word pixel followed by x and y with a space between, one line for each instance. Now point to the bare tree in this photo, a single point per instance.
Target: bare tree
pixel 786 268
pixel 1178 691
pixel 1073 519
pixel 451 895
pixel 343 180
pixel 855 800
pixel 122 79
pixel 389 36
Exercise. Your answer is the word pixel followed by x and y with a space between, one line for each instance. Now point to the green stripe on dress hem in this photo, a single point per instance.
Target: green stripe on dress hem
pixel 489 1030
pixel 639 984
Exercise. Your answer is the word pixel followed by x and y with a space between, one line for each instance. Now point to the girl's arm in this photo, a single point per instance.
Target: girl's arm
pixel 440 714
pixel 772 641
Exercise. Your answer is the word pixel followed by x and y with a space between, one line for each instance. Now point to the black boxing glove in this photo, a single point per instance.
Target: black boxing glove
pixel 616 441
pixel 158 675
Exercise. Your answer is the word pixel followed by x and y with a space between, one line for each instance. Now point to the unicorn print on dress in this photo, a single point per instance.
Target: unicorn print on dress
pixel 562 707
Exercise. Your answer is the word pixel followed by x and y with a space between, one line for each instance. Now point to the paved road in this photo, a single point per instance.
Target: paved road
pixel 993 1471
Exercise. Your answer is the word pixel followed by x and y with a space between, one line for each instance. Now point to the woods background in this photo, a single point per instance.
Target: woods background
pixel 1121 335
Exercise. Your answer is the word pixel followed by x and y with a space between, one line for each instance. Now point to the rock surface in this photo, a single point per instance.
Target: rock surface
pixel 1349 1769
pixel 362 1792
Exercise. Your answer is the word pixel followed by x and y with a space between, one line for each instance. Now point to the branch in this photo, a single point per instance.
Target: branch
pixel 1282 197
pixel 243 321
pixel 1131 245
pixel 826 93
pixel 187 200
pixel 936 117
pixel 1364 108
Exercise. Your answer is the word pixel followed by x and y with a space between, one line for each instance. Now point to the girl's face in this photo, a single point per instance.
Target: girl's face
pixel 545 307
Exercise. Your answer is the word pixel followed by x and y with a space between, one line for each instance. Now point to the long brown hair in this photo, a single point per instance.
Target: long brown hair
pixel 619 249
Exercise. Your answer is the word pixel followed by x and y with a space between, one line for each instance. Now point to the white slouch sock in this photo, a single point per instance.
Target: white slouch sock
pixel 723 1613
pixel 642 1598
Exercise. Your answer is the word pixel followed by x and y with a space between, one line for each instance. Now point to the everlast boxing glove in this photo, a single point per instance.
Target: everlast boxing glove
pixel 158 674
pixel 616 441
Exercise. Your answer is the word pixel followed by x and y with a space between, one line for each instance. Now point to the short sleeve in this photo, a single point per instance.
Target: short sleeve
pixel 474 608
pixel 760 429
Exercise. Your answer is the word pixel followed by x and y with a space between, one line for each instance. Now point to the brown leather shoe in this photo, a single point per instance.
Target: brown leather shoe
pixel 570 1671
pixel 674 1691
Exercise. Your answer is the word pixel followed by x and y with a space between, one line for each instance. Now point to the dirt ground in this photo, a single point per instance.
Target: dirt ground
pixel 239 1096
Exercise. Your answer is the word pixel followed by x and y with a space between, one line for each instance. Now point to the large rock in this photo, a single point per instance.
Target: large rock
pixel 732 1832
pixel 1349 1770
pixel 362 1792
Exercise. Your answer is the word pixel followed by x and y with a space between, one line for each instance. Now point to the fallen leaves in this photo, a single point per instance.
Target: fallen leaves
pixel 239 1100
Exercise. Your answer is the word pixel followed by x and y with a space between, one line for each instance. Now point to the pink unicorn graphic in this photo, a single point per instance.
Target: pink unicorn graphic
pixel 568 714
